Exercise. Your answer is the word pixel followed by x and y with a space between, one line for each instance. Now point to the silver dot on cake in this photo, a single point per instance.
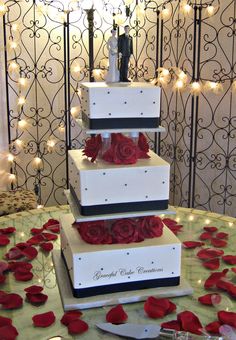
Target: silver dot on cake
pixel 109 114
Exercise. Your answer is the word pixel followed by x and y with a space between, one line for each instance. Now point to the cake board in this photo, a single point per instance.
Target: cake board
pixel 70 302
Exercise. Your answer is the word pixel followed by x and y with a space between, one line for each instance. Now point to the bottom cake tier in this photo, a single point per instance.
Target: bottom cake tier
pixel 100 269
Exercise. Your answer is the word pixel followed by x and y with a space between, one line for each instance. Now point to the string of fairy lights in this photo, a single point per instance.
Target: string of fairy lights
pixel 173 77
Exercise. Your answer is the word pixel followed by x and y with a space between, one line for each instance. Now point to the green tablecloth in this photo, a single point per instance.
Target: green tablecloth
pixel 193 222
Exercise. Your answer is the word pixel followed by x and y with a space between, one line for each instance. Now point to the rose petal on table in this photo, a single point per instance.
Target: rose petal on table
pixel 36 239
pixel 174 324
pixel 190 322
pixel 70 316
pixel 23 275
pixel 210 299
pixel 2 295
pixel 158 308
pixel 14 254
pixel 116 315
pixel 213 327
pixel 34 289
pixel 212 264
pixel 175 228
pixel 3 266
pixel 169 222
pixel 36 298
pixel 8 332
pixel 2 278
pixel 209 253
pixel 77 327
pixel 228 318
pixel 216 242
pixel 36 231
pixel 232 291
pixel 52 225
pixel 30 252
pixel 46 246
pixel 11 301
pixel 222 235
pixel 22 245
pixel 50 222
pixel 223 284
pixel 5 321
pixel 44 319
pixel 8 230
pixel 233 270
pixel 192 244
pixel 16 265
pixel 205 236
pixel 4 240
pixel 210 229
pixel 49 236
pixel 212 280
pixel 230 259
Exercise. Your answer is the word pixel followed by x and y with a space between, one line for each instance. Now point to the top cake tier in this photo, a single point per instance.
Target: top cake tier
pixel 120 105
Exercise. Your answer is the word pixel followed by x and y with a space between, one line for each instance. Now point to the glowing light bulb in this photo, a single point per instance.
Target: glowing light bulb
pixel 210 10
pixel 10 158
pixel 51 143
pixel 165 13
pixel 75 111
pixel 186 8
pixel 77 68
pixel 22 81
pixel 19 142
pixel 3 8
pixel 195 87
pixel 37 162
pixel 22 234
pixel 97 73
pixel 165 72
pixel 61 128
pixel 119 19
pixel 179 84
pixel 128 2
pixel 13 67
pixel 207 221
pixel 14 27
pixel 40 206
pixel 22 124
pixel 42 9
pixel 12 178
pixel 21 100
pixel 231 224
pixel 78 92
pixel 177 219
pixel 191 218
pixel 161 80
pixel 213 86
pixel 13 44
pixel 140 11
pixel 182 75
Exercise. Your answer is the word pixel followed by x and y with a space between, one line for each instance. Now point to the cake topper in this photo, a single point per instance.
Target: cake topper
pixel 112 45
pixel 125 49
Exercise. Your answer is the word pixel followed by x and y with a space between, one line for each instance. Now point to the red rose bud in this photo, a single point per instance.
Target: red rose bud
pixel 150 226
pixel 116 315
pixel 94 232
pixel 44 320
pixel 92 147
pixel 125 231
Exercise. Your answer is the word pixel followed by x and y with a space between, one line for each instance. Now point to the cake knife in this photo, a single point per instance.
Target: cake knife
pixel 151 331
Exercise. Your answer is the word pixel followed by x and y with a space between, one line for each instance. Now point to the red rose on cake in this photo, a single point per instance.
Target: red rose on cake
pixel 94 232
pixel 92 147
pixel 125 231
pixel 143 146
pixel 122 150
pixel 150 226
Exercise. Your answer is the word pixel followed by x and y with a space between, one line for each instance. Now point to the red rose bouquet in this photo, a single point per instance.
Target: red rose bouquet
pixel 94 232
pixel 150 226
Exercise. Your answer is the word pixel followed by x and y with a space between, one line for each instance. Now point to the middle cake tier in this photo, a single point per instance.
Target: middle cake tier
pixel 104 188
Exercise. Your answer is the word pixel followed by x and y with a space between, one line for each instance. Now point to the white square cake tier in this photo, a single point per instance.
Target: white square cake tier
pixel 101 187
pixel 99 269
pixel 120 105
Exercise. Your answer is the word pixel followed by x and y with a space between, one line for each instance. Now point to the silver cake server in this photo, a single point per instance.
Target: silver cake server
pixel 151 331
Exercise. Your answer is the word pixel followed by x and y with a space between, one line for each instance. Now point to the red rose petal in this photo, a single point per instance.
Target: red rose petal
pixel 34 289
pixel 2 295
pixel 70 316
pixel 210 229
pixel 54 228
pixel 22 245
pixel 4 240
pixel 228 318
pixel 2 278
pixel 222 235
pixel 232 290
pixel 8 332
pixel 3 267
pixel 49 236
pixel 210 299
pixel 212 264
pixel 44 320
pixel 36 231
pixel 230 259
pixel 223 284
pixel 36 298
pixel 23 275
pixel 11 301
pixel 175 228
pixel 209 253
pixel 5 321
pixel 172 225
pixel 46 246
pixel 190 322
pixel 116 315
pixel 158 308
pixel 169 222
pixel 37 239
pixel 174 324
pixel 14 254
pixel 213 327
pixel 233 270
pixel 192 244
pixel 51 223
pixel 216 242
pixel 30 252
pixel 8 230
pixel 77 327
pixel 212 280
pixel 14 265
pixel 205 236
